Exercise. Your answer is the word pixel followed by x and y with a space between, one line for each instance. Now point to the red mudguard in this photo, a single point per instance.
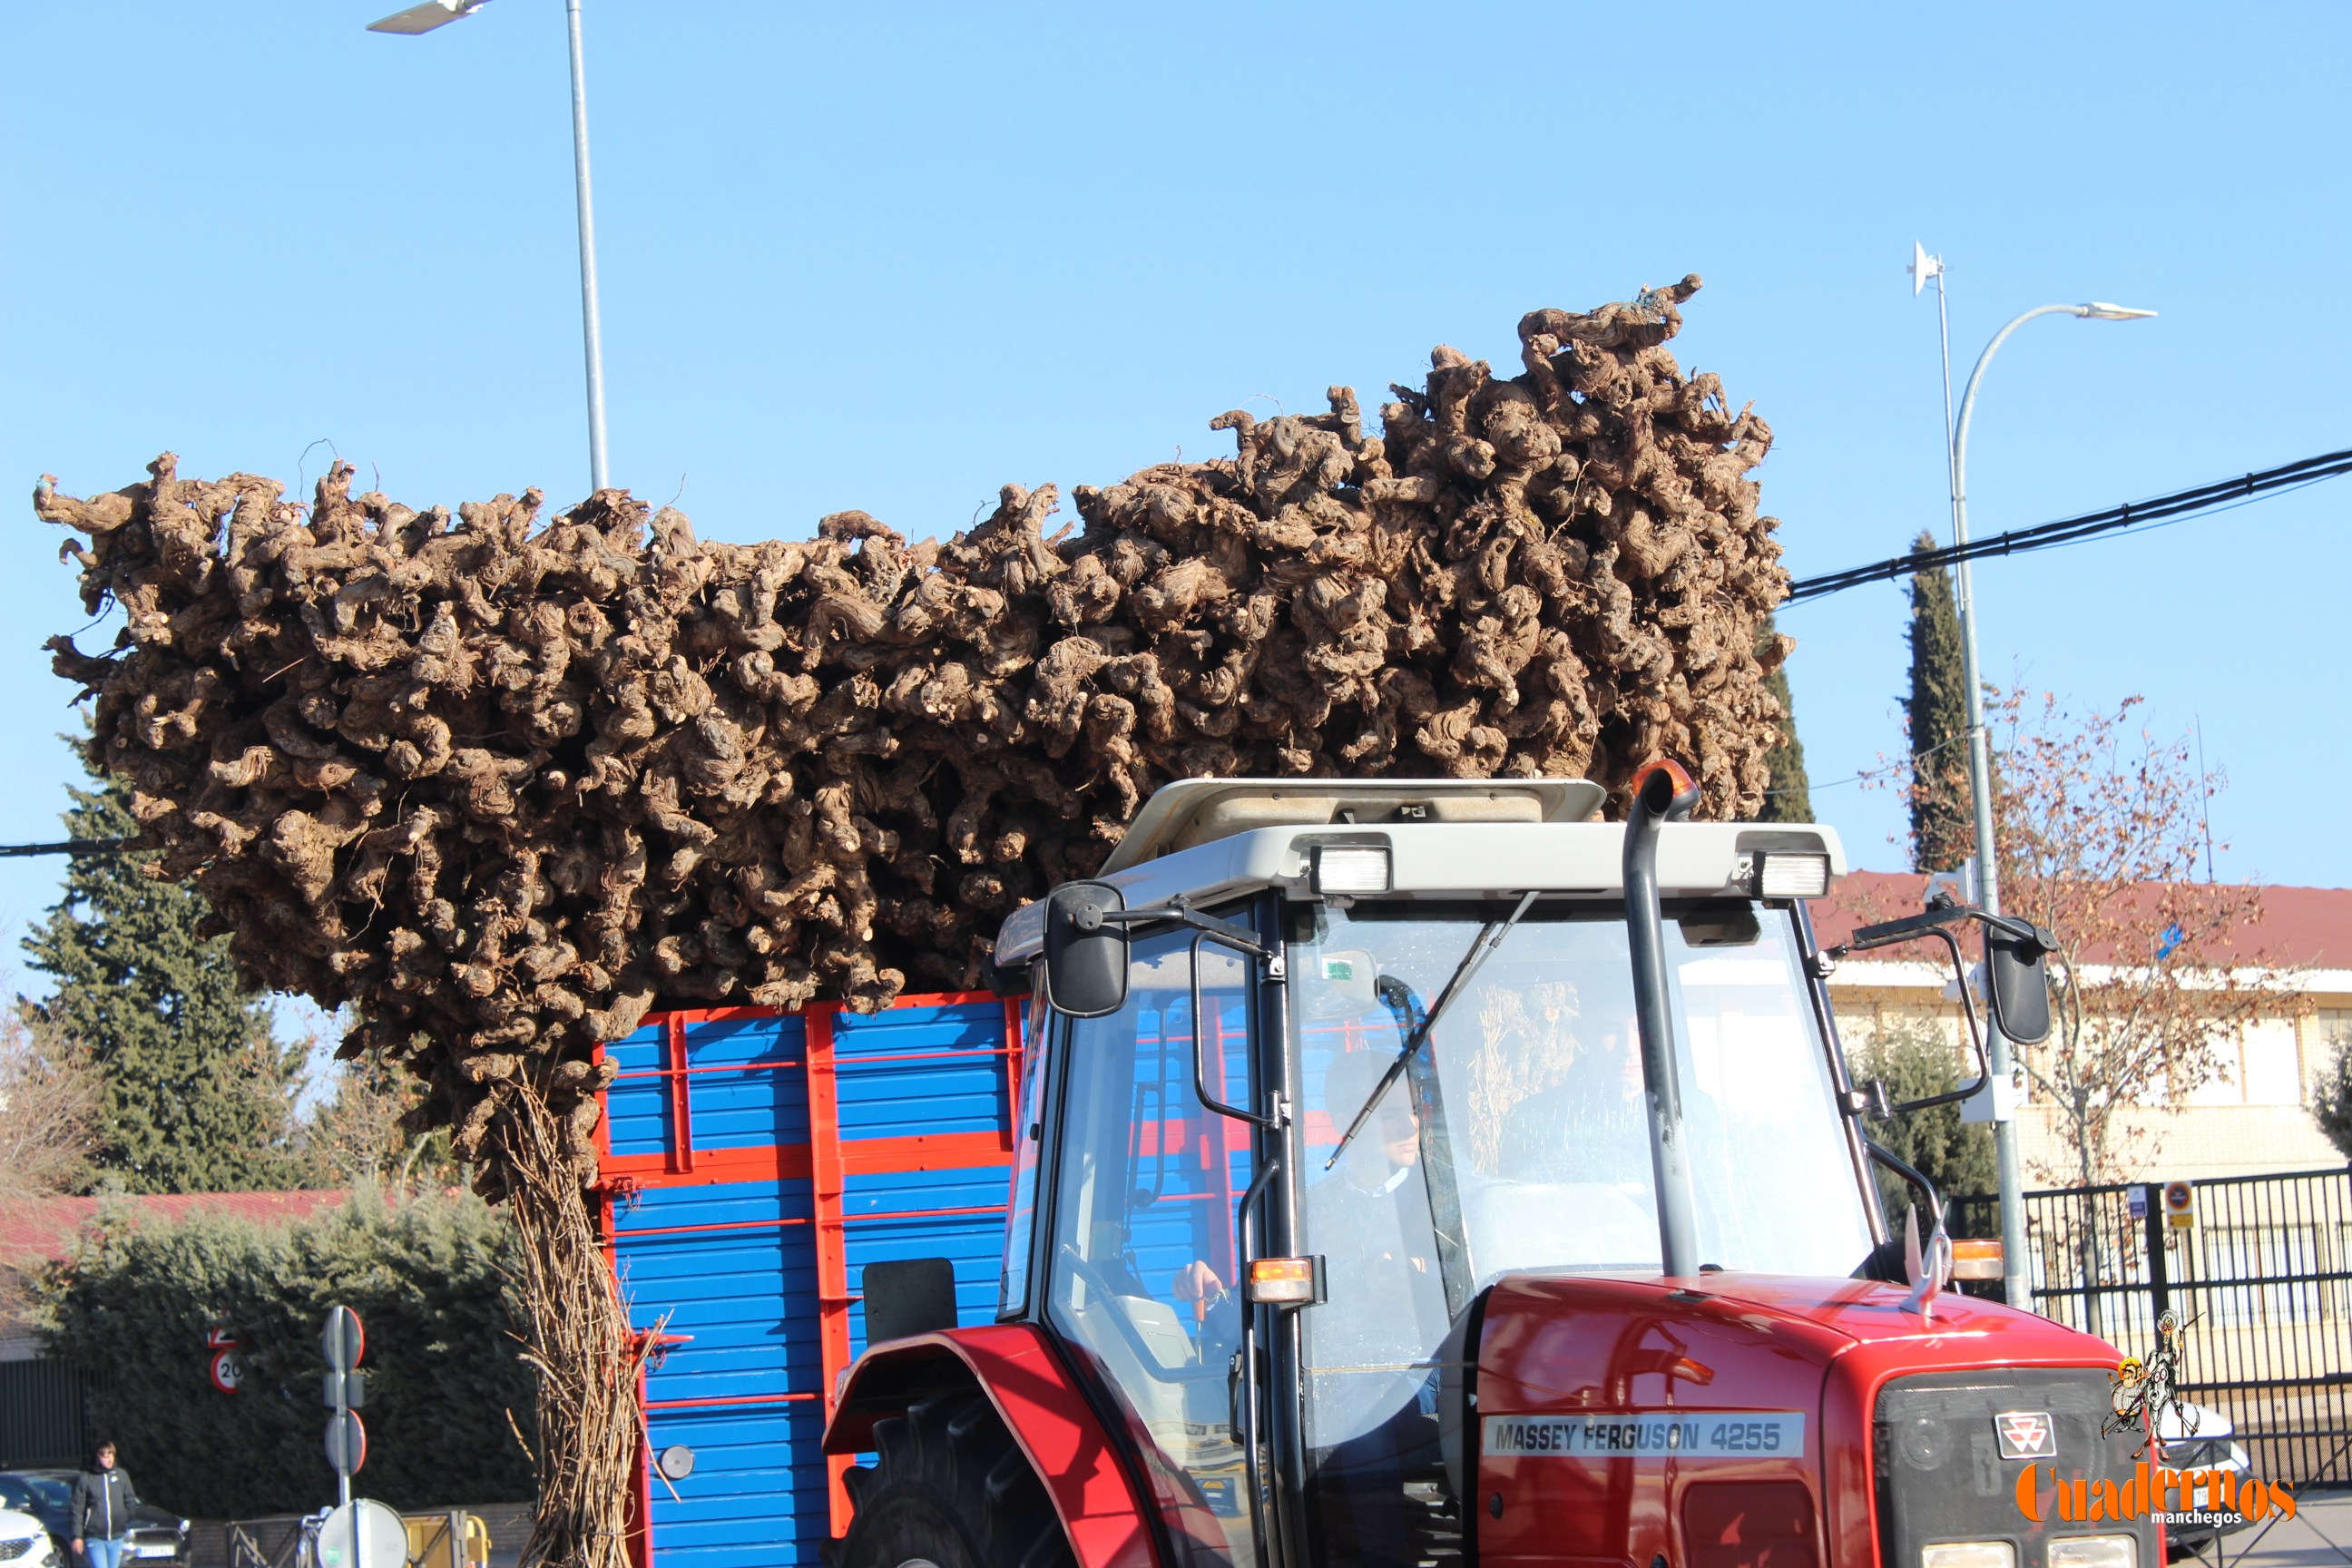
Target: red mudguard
pixel 1099 1508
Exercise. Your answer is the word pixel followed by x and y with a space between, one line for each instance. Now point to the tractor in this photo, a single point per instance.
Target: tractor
pixel 1416 1171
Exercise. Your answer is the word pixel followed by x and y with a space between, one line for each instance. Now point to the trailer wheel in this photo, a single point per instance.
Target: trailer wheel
pixel 951 1490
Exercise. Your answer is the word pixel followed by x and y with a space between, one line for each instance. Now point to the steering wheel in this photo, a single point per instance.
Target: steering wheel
pixel 1099 1282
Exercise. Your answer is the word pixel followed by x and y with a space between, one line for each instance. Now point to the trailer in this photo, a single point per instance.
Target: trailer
pixel 754 1165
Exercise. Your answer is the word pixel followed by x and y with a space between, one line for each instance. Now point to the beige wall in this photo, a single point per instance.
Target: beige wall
pixel 2250 1121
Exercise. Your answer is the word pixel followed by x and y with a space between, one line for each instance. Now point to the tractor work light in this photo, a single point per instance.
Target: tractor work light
pixel 1976 1260
pixel 1969 1554
pixel 1284 1281
pixel 2093 1552
pixel 1351 868
pixel 1787 875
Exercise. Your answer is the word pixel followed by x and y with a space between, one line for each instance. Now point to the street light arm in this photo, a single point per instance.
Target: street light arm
pixel 1968 402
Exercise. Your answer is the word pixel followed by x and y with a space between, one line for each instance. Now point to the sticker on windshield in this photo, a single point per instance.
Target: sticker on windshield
pixel 1680 1434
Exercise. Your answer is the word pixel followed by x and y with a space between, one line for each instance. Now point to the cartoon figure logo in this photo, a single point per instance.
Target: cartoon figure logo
pixel 2141 1392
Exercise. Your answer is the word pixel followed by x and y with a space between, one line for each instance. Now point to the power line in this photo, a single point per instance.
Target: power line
pixel 2220 495
pixel 69 846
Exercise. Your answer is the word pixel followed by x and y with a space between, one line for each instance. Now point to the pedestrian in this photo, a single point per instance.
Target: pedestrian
pixel 104 1498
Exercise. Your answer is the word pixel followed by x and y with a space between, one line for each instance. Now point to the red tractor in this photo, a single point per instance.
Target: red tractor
pixel 1419 1172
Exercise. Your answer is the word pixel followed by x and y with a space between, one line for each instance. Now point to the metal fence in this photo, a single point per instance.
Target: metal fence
pixel 2261 1277
pixel 44 1414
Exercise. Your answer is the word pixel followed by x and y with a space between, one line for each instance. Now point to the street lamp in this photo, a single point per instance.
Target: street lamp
pixel 432 14
pixel 2004 1126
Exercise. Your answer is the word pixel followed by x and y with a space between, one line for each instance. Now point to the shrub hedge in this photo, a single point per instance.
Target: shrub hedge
pixel 427 1276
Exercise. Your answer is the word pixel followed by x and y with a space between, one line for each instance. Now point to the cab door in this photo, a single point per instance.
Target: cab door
pixel 1142 1254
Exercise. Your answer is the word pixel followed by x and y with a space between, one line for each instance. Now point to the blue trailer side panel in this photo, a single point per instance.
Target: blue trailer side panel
pixel 727 1204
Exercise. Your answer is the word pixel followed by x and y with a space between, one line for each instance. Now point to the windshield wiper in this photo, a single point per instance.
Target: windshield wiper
pixel 1482 947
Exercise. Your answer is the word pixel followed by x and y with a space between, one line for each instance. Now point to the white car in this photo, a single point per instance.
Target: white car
pixel 25 1541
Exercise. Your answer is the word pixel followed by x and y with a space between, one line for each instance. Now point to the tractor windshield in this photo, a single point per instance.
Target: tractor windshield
pixel 1517 1140
pixel 1526 1100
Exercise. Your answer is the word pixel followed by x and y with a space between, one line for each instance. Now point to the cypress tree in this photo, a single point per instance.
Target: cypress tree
pixel 1943 830
pixel 1790 798
pixel 197 1092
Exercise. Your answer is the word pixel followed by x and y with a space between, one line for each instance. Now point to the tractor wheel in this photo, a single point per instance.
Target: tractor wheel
pixel 951 1490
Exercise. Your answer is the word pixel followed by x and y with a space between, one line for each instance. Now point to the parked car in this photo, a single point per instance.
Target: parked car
pixel 2198 1437
pixel 25 1541
pixel 156 1537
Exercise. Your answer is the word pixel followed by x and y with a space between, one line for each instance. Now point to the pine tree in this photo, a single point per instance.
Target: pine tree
pixel 1943 830
pixel 1790 798
pixel 197 1092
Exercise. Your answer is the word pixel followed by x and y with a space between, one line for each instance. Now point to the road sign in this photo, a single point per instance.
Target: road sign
pixel 361 1533
pixel 227 1371
pixel 2179 1204
pixel 346 1442
pixel 344 1390
pixel 344 1340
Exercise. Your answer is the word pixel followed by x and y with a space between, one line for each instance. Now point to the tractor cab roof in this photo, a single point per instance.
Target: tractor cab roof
pixel 1207 840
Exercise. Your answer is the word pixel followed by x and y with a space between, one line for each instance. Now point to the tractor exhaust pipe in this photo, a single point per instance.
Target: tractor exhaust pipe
pixel 1665 794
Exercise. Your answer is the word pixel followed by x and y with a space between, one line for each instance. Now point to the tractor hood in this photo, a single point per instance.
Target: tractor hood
pixel 1600 1342
pixel 1610 1408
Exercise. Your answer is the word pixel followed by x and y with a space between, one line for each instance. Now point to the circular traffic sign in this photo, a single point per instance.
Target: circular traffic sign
pixel 346 1442
pixel 227 1371
pixel 2177 1198
pixel 364 1533
pixel 344 1340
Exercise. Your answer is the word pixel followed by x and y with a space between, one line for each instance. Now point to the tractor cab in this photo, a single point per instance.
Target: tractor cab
pixel 1315 1066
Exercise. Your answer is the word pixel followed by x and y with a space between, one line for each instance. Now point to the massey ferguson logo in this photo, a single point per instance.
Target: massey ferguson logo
pixel 2026 1435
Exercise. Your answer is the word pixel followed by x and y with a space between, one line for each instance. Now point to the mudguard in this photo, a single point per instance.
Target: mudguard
pixel 1101 1512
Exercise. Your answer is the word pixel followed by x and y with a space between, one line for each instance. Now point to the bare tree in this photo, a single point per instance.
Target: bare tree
pixel 361 1134
pixel 2101 829
pixel 48 1110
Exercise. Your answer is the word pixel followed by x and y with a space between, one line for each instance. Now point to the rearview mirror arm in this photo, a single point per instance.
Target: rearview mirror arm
pixel 1937 923
pixel 1179 911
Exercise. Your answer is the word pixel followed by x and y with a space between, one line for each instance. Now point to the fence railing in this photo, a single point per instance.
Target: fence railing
pixel 2261 1277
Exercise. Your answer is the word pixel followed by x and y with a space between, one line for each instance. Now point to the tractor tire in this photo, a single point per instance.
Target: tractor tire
pixel 950 1490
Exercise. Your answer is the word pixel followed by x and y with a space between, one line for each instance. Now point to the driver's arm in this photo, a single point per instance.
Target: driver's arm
pixel 1216 1311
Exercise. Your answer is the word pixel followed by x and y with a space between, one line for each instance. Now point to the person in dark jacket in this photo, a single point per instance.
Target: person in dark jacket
pixel 104 1498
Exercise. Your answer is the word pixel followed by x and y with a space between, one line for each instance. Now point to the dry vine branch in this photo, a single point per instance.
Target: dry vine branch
pixel 501 783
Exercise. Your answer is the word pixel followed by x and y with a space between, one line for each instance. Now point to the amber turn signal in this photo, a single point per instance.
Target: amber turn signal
pixel 1286 1281
pixel 1976 1260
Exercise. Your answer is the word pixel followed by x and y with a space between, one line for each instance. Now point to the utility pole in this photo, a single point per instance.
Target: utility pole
pixel 2017 1276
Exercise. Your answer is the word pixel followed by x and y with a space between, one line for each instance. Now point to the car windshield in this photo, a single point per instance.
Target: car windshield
pixel 1524 1117
pixel 48 1489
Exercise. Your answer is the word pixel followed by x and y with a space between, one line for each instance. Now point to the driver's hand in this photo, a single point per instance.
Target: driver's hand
pixel 1198 1283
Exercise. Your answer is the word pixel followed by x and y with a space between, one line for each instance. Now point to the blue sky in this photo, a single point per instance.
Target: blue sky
pixel 892 257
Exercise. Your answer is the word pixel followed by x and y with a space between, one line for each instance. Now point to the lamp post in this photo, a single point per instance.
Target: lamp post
pixel 432 14
pixel 2018 1280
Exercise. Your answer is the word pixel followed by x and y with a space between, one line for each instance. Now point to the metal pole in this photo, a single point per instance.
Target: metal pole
pixel 2016 1277
pixel 589 328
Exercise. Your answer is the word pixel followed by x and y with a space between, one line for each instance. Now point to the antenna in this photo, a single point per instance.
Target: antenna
pixel 1923 266
pixel 2204 798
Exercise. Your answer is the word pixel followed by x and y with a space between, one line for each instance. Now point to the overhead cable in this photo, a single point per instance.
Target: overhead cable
pixel 2216 496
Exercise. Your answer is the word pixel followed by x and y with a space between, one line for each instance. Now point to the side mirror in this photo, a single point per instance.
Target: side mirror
pixel 2016 976
pixel 1085 955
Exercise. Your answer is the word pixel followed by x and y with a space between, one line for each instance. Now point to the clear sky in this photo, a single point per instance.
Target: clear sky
pixel 892 257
